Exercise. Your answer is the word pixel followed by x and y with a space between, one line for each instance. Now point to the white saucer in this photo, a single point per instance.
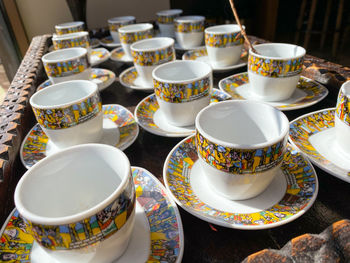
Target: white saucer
pixel 94 42
pixel 129 78
pixel 109 42
pixel 150 118
pixel 119 129
pixel 201 54
pixel 99 55
pixel 314 135
pixel 291 193
pixel 118 55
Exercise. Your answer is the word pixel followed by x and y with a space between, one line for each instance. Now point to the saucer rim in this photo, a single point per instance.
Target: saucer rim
pixel 284 107
pixel 319 165
pixel 133 87
pixel 118 60
pixel 122 148
pixel 109 45
pixel 102 59
pixel 98 43
pixel 233 226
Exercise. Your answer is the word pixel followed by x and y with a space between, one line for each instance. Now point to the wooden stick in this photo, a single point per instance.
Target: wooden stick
pixel 242 30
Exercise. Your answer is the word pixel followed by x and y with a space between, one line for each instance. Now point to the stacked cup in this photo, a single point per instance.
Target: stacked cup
pixel 165 21
pixel 70 27
pixel 189 30
pixel 116 22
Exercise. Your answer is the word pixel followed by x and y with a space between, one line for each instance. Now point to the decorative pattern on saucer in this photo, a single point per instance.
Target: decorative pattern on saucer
pixel 238 161
pixel 343 108
pixel 61 118
pixel 82 41
pixel 275 68
pixel 99 54
pixel 152 58
pixel 300 192
pixel 305 126
pixel 63 31
pixel 89 230
pixel 179 93
pixel 117 54
pixel 188 27
pixel 223 40
pixel 67 68
pixel 114 26
pixel 129 38
pixel 129 77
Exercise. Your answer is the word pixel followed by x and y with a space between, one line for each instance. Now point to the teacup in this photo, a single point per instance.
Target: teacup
pixel 342 119
pixel 240 145
pixel 189 31
pixel 132 33
pixel 70 27
pixel 67 64
pixel 165 21
pixel 79 204
pixel 182 89
pixel 224 44
pixel 149 53
pixel 116 22
pixel 275 70
pixel 69 113
pixel 78 39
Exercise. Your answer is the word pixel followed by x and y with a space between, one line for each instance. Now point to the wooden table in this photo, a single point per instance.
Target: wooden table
pixel 203 242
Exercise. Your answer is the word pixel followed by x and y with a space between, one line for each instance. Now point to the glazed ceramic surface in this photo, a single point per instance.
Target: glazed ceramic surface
pixel 157 235
pixel 109 42
pixel 201 54
pixel 119 129
pixel 99 55
pixel 152 119
pixel 307 93
pixel 78 39
pixel 69 27
pixel 94 42
pixel 274 72
pixel 116 22
pixel 342 119
pixel 165 21
pixel 118 55
pixel 314 134
pixel 129 78
pixel 189 31
pixel 290 195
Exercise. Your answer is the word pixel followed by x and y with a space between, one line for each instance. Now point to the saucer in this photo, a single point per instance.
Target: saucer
pixel 291 193
pixel 150 118
pixel 94 42
pixel 314 135
pixel 119 129
pixel 99 55
pixel 308 92
pixel 129 78
pixel 179 48
pixel 109 42
pixel 202 55
pixel 118 55
pixel 102 77
pixel 157 235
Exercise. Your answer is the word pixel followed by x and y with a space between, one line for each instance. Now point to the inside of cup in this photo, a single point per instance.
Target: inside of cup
pixel 190 18
pixel 221 29
pixel 135 28
pixel 70 35
pixel 276 50
pixel 170 12
pixel 70 24
pixel 120 19
pixel 152 44
pixel 346 88
pixel 73 182
pixel 181 71
pixel 242 124
pixel 64 54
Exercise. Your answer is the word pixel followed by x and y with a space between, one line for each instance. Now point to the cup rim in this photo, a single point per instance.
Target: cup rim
pixel 283 134
pixel 278 58
pixel 69 24
pixel 116 19
pixel 70 35
pixel 129 28
pixel 345 85
pixel 59 86
pixel 169 12
pixel 169 64
pixel 208 29
pixel 79 216
pixel 189 19
pixel 82 52
pixel 169 42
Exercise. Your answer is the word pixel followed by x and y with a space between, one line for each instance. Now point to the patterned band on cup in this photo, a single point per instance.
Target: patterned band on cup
pixel 116 25
pixel 343 109
pixel 67 68
pixel 74 42
pixel 224 40
pixel 187 27
pixel 275 68
pixel 166 19
pixel 179 93
pixel 129 38
pixel 152 58
pixel 89 230
pixel 72 115
pixel 63 31
pixel 237 161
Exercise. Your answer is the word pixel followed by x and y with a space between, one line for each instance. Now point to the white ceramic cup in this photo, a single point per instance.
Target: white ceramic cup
pixel 342 119
pixel 79 204
pixel 77 39
pixel 275 71
pixel 69 113
pixel 189 31
pixel 165 21
pixel 224 44
pixel 182 89
pixel 116 22
pixel 132 33
pixel 67 64
pixel 150 53
pixel 69 27
pixel 240 145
